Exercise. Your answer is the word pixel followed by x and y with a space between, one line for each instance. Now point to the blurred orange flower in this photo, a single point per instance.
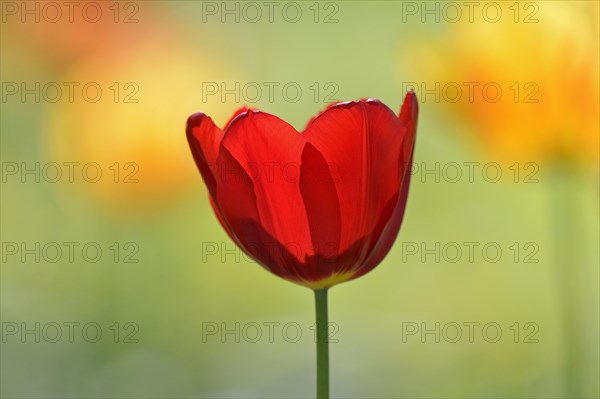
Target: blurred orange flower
pixel 58 33
pixel 528 86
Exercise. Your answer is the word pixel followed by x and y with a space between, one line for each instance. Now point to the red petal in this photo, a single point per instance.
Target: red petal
pixel 237 113
pixel 410 109
pixel 408 116
pixel 269 151
pixel 361 142
pixel 321 202
pixel 204 138
pixel 237 211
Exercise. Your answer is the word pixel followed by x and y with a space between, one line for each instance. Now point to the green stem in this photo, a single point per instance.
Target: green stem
pixel 322 344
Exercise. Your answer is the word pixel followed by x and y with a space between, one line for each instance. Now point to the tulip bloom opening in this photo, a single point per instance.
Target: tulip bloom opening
pixel 316 208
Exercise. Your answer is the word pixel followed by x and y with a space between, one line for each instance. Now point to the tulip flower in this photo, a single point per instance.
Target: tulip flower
pixel 316 208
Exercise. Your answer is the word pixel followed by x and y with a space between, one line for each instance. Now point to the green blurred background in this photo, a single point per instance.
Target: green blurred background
pixel 155 60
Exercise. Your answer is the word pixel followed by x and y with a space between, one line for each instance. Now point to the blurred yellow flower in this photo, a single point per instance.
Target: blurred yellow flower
pixel 527 84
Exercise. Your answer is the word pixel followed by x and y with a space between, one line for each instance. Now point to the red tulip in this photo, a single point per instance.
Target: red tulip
pixel 319 207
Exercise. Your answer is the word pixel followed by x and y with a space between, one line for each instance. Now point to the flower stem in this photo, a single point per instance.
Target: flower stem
pixel 322 344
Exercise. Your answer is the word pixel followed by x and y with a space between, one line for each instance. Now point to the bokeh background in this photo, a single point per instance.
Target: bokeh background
pixel 163 284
